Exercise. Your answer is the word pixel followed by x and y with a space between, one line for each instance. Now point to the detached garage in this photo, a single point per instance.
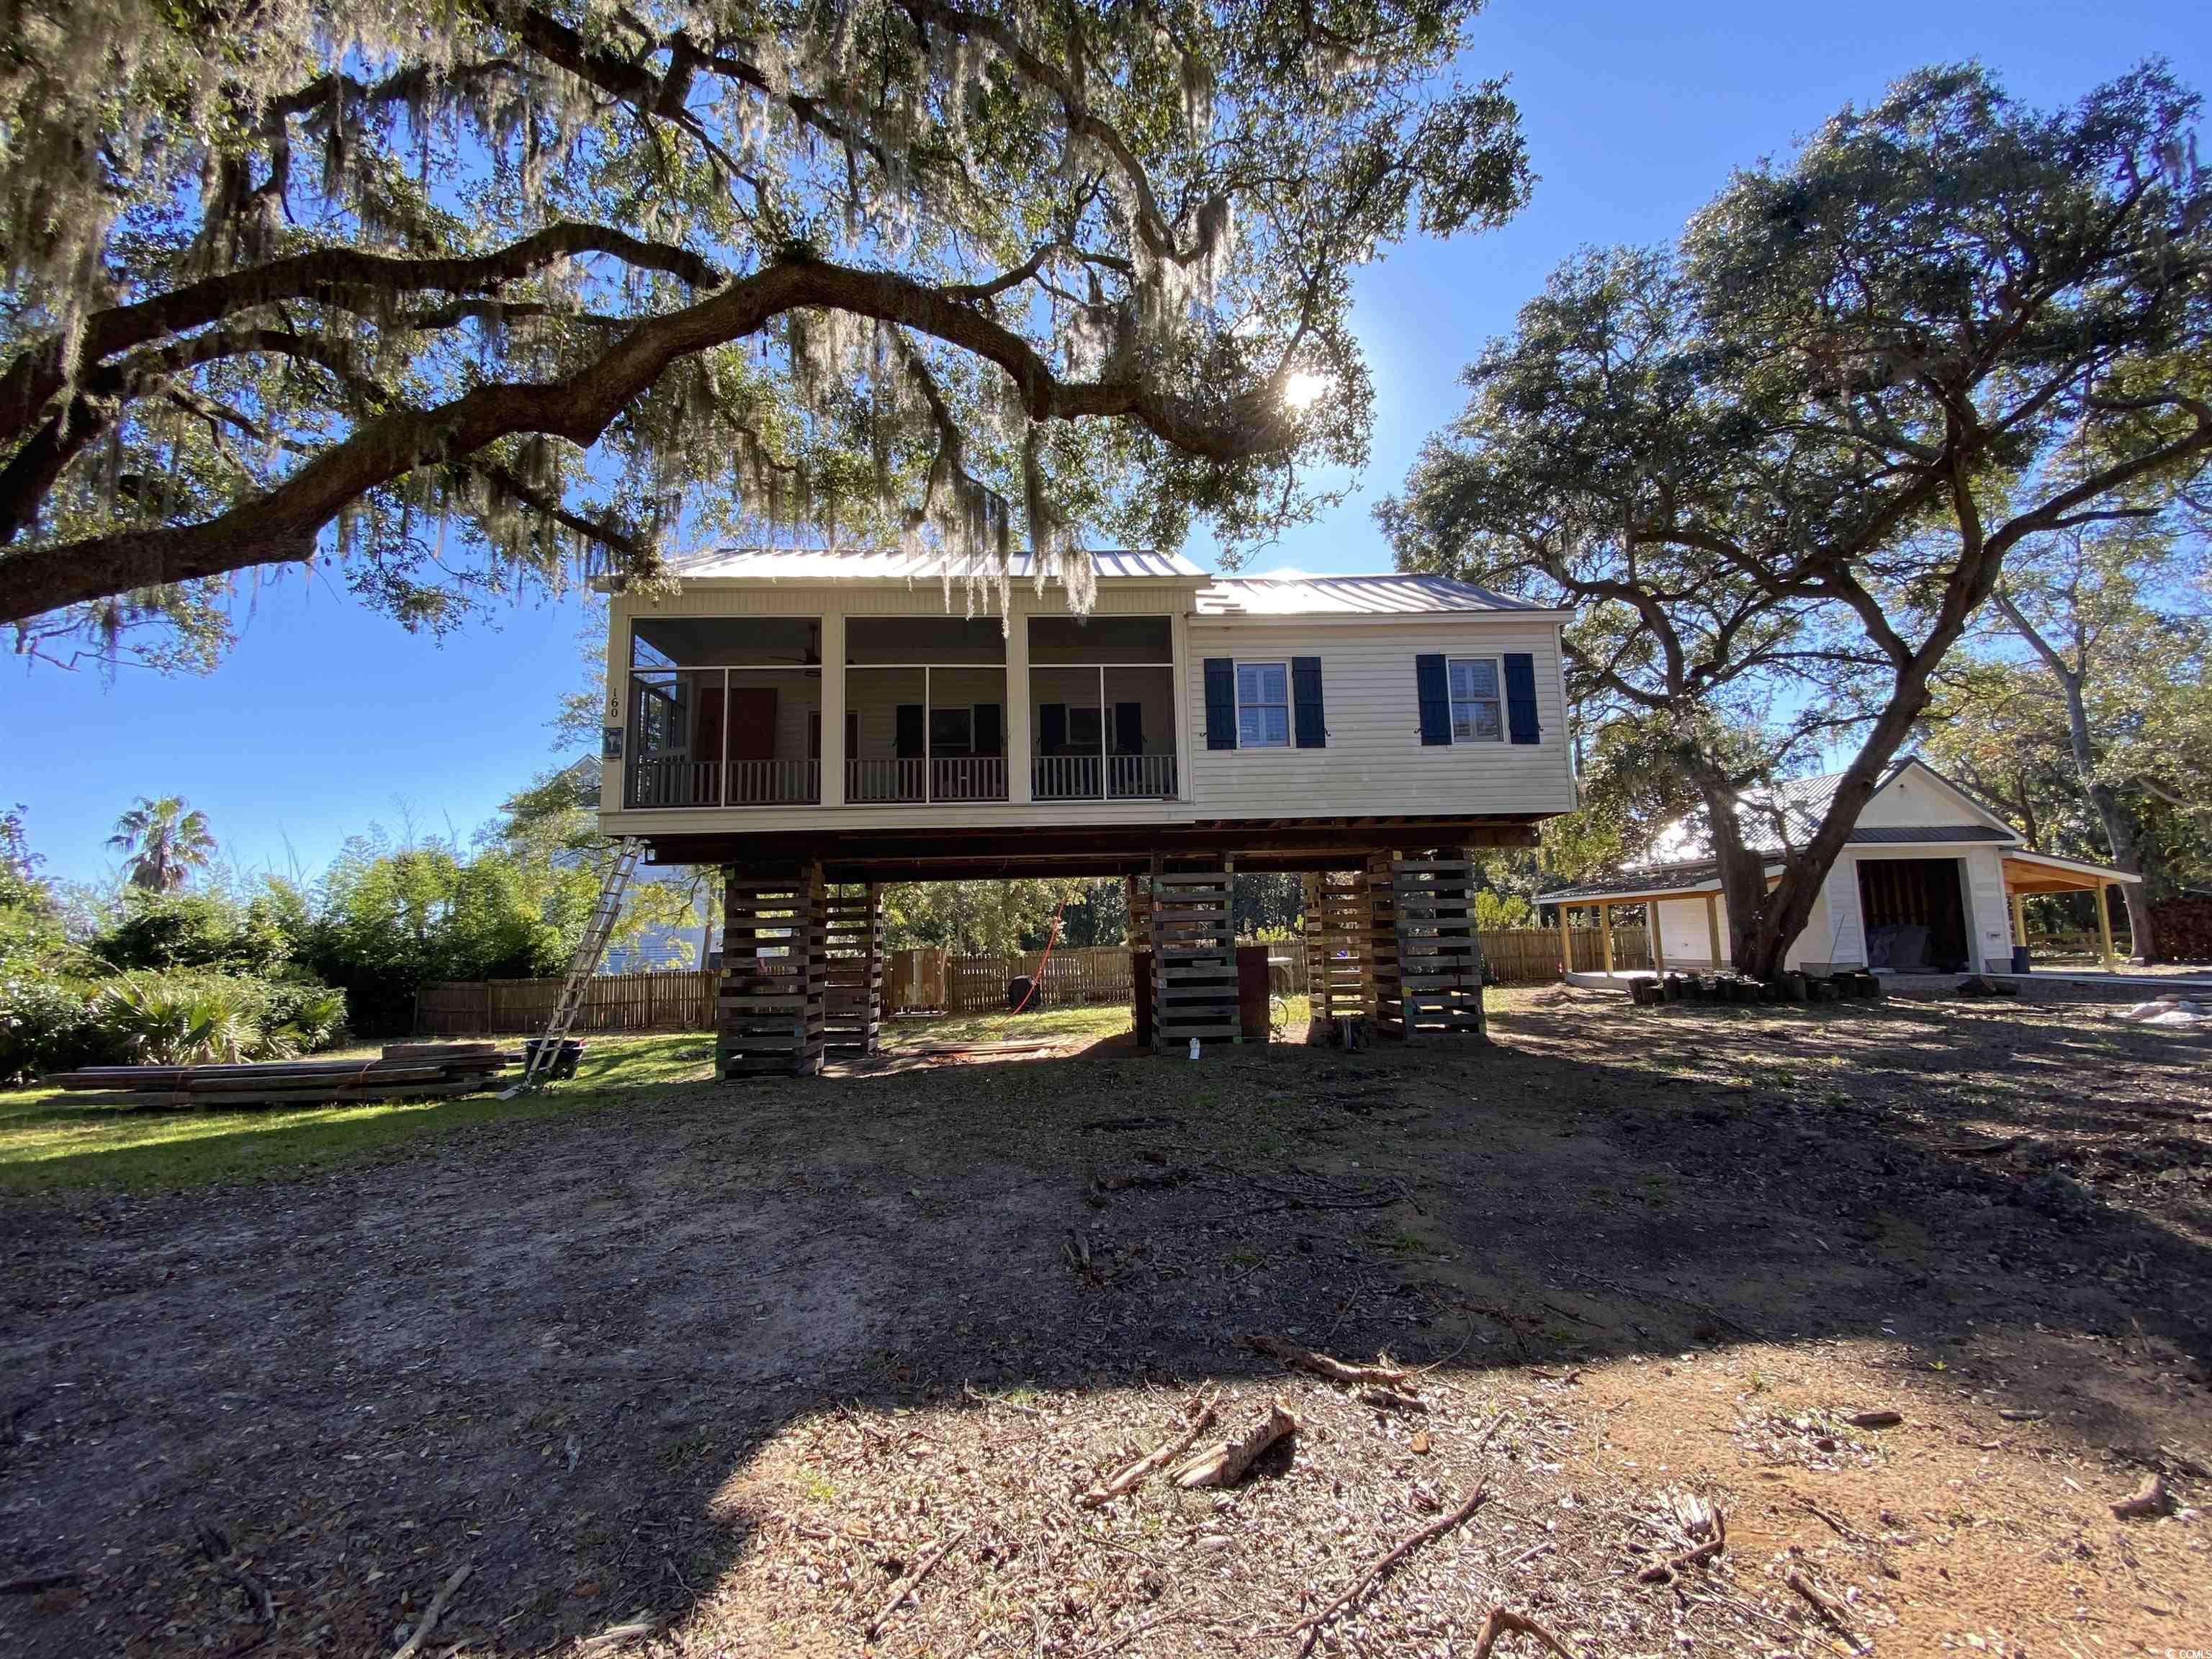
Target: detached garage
pixel 1930 881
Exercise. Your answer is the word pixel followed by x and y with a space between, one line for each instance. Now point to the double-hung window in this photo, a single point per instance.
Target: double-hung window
pixel 1477 710
pixel 1263 705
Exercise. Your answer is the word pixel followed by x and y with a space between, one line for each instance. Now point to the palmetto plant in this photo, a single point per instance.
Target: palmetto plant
pixel 166 1022
pixel 165 840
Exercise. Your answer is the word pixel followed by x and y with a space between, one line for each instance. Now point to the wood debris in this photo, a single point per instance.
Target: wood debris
pixel 2149 1500
pixel 1313 1623
pixel 1224 1464
pixel 1505 1621
pixel 1831 1612
pixel 1321 1364
pixel 1384 1398
pixel 1882 1419
pixel 1663 1572
pixel 434 1611
pixel 1199 1414
pixel 906 1586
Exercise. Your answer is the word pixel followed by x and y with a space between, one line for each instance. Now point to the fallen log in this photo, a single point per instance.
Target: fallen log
pixel 1224 1464
pixel 1199 1414
pixel 2148 1501
pixel 1336 1371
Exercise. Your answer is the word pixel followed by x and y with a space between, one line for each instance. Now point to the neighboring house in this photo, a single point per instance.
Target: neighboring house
pixel 850 708
pixel 1930 878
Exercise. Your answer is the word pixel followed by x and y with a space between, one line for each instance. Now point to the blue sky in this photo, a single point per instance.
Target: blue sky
pixel 325 717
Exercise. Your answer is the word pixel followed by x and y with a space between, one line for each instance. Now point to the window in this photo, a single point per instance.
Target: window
pixel 1263 705
pixel 1477 714
pixel 951 731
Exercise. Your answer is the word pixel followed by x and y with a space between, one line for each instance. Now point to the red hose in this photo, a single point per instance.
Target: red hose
pixel 1051 939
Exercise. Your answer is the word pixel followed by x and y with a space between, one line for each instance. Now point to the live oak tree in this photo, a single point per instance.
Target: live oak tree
pixel 1780 466
pixel 2091 682
pixel 463 294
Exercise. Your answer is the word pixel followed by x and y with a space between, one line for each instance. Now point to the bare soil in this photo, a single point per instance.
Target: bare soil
pixel 717 1369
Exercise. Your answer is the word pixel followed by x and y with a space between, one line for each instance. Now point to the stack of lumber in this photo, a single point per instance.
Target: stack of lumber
pixel 405 1071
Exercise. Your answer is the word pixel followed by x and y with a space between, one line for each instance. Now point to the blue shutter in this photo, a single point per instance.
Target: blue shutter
pixel 1220 703
pixel 1520 696
pixel 990 730
pixel 1052 728
pixel 907 732
pixel 1429 679
pixel 1306 698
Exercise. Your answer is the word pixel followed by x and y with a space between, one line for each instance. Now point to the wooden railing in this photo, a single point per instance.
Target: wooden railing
pixel 870 782
pixel 967 777
pixel 941 777
pixel 1103 777
pixel 1067 777
pixel 662 781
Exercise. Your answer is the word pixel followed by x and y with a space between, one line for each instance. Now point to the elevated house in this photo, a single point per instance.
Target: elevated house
pixel 821 723
pixel 1931 879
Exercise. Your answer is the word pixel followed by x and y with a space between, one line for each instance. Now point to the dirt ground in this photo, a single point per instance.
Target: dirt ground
pixel 723 1369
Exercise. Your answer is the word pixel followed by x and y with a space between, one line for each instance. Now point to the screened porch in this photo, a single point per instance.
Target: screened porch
pixel 724 712
pixel 925 710
pixel 1102 718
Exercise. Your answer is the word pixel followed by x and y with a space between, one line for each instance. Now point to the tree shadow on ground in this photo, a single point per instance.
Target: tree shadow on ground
pixel 555 1346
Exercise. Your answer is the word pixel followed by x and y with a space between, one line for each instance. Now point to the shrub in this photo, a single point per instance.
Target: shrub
pixel 46 1027
pixel 189 1019
pixel 165 1019
pixel 193 929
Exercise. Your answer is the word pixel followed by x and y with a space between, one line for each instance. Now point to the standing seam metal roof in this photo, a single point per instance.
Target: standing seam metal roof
pixel 871 564
pixel 1391 595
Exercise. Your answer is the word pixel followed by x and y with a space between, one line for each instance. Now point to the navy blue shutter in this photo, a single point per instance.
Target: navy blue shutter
pixel 908 738
pixel 1220 703
pixel 1128 728
pixel 1306 698
pixel 1052 727
pixel 1434 690
pixel 1520 696
pixel 989 730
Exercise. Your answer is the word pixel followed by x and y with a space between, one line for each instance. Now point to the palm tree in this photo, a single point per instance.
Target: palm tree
pixel 165 840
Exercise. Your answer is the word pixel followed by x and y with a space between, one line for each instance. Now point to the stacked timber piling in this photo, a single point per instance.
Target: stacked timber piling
pixel 1439 956
pixel 770 1016
pixel 853 970
pixel 1339 918
pixel 1194 959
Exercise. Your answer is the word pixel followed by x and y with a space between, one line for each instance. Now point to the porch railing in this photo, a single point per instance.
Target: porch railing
pixel 664 780
pixel 941 777
pixel 1103 777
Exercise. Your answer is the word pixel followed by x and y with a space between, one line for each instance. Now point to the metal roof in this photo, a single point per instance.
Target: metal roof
pixel 1392 595
pixel 875 564
pixel 1698 874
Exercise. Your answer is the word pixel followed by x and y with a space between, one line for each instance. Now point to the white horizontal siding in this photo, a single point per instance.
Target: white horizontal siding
pixel 1375 760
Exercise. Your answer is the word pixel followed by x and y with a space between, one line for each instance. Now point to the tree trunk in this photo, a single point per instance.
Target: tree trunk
pixel 2120 832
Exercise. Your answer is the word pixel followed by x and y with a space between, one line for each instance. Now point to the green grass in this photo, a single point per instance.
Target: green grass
pixel 50 1139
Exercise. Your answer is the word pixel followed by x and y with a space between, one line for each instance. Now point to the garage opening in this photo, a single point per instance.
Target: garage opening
pixel 1915 914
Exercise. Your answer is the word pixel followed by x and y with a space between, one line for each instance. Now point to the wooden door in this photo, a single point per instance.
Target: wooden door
pixel 752 722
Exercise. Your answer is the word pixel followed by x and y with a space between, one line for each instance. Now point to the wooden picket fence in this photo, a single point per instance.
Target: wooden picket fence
pixel 916 979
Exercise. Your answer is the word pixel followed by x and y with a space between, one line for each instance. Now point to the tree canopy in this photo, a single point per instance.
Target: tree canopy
pixel 457 295
pixel 1780 466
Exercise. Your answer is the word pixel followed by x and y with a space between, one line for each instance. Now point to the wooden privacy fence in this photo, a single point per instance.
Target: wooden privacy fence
pixel 612 1002
pixel 927 979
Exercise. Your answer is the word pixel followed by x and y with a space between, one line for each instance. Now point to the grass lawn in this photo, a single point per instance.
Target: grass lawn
pixel 50 1138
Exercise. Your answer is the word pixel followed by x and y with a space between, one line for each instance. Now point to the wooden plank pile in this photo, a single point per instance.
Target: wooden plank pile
pixel 852 971
pixel 404 1070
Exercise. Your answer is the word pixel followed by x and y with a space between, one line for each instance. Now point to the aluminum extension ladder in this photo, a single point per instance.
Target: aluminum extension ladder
pixel 585 964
